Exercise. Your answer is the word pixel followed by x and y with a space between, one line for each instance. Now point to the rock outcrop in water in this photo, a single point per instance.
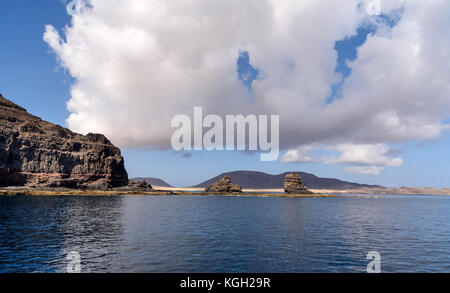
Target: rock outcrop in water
pixel 224 185
pixel 293 184
pixel 135 186
pixel 37 153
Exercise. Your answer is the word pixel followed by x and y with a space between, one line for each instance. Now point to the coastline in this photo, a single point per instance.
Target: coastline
pixel 156 192
pixel 167 191
pixel 177 191
pixel 399 191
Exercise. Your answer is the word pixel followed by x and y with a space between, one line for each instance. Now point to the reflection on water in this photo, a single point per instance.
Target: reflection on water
pixel 37 233
pixel 224 234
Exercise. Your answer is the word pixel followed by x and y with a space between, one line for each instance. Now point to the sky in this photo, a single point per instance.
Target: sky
pixel 361 97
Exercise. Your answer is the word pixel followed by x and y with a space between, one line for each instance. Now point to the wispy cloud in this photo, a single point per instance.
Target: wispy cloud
pixel 362 158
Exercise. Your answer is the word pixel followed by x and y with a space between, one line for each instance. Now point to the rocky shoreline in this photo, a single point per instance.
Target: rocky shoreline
pixel 17 191
pixel 223 187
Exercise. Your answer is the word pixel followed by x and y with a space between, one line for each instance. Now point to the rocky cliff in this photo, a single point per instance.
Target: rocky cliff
pixel 37 153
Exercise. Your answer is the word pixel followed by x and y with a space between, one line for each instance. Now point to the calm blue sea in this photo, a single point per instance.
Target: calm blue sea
pixel 224 234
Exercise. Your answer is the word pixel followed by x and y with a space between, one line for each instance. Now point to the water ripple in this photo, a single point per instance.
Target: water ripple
pixel 224 234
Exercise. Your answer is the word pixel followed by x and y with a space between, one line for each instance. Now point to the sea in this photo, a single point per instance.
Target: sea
pixel 220 234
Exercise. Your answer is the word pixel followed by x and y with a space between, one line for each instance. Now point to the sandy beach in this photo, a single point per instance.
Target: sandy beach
pixel 401 190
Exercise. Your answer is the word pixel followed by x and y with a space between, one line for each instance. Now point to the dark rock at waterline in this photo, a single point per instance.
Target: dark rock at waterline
pixel 135 186
pixel 37 153
pixel 224 185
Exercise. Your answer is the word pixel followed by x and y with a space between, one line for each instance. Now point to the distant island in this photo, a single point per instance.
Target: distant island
pixel 254 181
pixel 260 180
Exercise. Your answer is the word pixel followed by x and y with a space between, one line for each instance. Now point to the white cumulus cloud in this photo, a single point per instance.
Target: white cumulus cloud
pixel 137 63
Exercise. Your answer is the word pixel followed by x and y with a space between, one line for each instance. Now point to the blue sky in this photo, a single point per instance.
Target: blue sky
pixel 30 76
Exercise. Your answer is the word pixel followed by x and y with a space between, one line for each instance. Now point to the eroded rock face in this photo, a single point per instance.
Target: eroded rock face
pixel 224 185
pixel 37 153
pixel 135 186
pixel 293 184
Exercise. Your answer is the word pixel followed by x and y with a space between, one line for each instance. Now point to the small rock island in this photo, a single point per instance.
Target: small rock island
pixel 224 185
pixel 293 184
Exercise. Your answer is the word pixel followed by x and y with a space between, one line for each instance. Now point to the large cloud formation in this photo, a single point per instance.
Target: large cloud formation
pixel 137 63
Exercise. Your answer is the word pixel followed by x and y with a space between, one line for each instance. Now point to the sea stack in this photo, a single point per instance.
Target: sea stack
pixel 224 185
pixel 37 153
pixel 293 184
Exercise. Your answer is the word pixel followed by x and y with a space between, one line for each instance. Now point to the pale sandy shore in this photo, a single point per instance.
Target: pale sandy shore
pixel 166 191
pixel 157 191
pixel 193 189
pixel 190 189
pixel 400 191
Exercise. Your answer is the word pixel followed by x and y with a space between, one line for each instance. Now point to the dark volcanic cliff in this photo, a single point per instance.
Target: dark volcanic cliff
pixel 34 152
